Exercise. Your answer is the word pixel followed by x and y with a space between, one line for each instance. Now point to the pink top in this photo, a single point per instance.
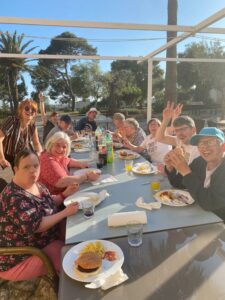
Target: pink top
pixel 52 169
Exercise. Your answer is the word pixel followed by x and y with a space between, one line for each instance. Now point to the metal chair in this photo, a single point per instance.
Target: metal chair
pixel 51 276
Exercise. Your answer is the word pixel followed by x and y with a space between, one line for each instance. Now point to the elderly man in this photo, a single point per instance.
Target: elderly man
pixel 88 122
pixel 204 177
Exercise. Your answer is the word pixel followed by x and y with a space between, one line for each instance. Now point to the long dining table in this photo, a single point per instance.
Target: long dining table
pixel 182 246
pixel 123 195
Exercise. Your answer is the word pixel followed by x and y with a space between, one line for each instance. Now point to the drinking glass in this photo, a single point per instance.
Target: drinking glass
pixel 155 186
pixel 88 209
pixel 129 166
pixel 134 234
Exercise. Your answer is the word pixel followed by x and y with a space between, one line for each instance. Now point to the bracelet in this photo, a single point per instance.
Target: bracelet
pixel 62 196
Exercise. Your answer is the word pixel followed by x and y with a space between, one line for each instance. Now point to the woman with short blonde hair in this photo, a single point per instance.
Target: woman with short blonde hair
pixel 55 165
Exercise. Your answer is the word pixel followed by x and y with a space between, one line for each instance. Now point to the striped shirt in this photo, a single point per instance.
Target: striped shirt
pixel 15 139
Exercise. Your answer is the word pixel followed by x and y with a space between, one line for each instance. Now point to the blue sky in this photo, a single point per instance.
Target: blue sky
pixel 190 12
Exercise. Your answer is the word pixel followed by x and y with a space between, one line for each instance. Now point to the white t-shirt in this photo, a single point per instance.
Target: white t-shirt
pixel 191 152
pixel 156 150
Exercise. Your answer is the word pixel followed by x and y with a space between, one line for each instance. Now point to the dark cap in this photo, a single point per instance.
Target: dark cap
pixel 66 118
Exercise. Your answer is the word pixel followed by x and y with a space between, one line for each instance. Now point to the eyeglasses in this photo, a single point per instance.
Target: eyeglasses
pixel 30 109
pixel 181 129
pixel 209 143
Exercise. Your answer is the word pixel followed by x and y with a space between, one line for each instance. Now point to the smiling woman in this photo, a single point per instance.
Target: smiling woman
pixel 55 165
pixel 17 133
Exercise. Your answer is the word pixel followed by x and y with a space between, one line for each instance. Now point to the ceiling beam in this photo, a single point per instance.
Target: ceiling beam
pixel 57 56
pixel 208 21
pixel 105 25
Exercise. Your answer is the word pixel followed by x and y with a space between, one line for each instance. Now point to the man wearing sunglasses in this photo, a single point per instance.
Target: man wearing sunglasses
pixel 204 177
pixel 184 128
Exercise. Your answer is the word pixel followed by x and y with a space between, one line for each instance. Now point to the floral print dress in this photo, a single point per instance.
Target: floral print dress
pixel 20 216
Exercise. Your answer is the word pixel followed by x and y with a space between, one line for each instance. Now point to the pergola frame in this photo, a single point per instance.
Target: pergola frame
pixel 188 32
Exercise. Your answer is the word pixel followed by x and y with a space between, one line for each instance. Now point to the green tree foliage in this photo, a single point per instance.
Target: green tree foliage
pixel 196 79
pixel 139 79
pixel 55 75
pixel 120 89
pixel 11 69
pixel 87 80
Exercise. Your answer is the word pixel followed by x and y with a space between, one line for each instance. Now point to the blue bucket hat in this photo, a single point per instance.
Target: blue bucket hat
pixel 207 131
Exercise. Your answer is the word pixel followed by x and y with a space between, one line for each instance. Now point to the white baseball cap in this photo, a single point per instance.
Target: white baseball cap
pixel 92 109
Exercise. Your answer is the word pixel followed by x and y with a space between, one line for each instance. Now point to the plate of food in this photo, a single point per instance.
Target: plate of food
pixel 174 197
pixel 81 139
pixel 92 260
pixel 144 168
pixel 127 154
pixel 82 171
pixel 95 198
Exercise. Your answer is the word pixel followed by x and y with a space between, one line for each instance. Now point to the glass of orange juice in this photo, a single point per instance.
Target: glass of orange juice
pixel 155 186
pixel 129 165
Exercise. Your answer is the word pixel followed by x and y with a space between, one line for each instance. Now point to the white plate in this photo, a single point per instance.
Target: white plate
pixel 108 267
pixel 149 169
pixel 81 139
pixel 83 196
pixel 135 155
pixel 82 171
pixel 176 202
pixel 81 150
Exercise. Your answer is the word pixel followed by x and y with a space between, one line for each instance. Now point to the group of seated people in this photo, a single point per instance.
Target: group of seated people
pixel 31 205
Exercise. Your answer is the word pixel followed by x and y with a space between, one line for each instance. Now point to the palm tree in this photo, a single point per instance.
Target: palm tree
pixel 171 67
pixel 13 67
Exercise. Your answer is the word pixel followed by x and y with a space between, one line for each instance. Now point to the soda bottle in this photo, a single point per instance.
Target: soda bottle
pixel 109 147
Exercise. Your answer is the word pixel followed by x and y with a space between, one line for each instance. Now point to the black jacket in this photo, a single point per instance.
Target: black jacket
pixel 211 198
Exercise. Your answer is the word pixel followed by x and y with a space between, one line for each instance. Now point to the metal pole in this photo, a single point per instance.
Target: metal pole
pixel 149 98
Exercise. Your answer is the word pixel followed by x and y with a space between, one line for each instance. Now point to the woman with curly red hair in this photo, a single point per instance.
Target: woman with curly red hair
pixel 19 132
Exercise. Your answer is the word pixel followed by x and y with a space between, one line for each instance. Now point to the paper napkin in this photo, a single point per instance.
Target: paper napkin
pixel 121 219
pixel 153 205
pixel 106 282
pixel 104 178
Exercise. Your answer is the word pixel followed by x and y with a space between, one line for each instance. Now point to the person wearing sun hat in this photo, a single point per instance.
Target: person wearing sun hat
pixel 204 177
pixel 88 122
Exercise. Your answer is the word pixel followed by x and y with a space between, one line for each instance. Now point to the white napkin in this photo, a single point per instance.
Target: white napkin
pixel 121 219
pixel 153 205
pixel 104 178
pixel 109 281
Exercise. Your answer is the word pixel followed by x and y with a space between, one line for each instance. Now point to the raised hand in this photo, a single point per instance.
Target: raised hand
pixel 168 111
pixel 177 111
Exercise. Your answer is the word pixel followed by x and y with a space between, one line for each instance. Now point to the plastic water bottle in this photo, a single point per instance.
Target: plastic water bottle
pixel 109 147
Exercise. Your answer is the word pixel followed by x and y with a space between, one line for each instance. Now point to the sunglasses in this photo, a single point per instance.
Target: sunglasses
pixel 30 109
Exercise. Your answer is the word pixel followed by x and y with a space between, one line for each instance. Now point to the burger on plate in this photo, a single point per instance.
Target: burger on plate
pixel 88 264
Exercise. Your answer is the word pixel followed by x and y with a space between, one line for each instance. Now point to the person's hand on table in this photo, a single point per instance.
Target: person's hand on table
pixel 92 175
pixel 71 209
pixel 179 163
pixel 71 189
